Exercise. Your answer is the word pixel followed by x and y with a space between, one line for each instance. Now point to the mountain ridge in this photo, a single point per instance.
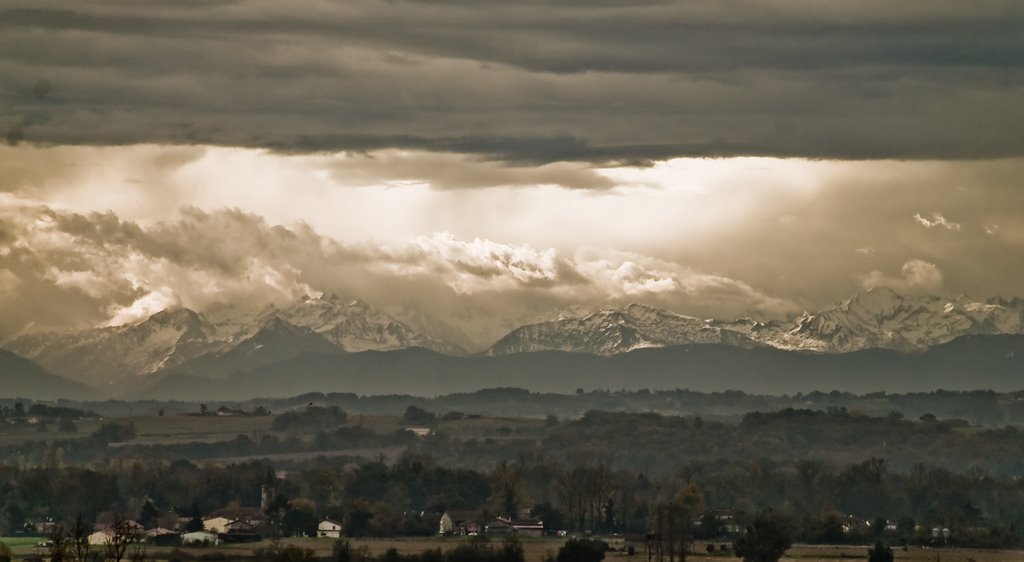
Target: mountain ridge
pixel 183 341
pixel 877 318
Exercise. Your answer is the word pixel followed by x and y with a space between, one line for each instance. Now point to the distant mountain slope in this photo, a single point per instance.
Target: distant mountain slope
pixel 102 355
pixel 610 332
pixel 22 378
pixel 972 362
pixel 275 341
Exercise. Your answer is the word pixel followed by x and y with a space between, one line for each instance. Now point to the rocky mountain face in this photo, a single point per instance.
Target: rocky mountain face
pixel 353 325
pixel 878 318
pixel 161 341
pixel 610 332
pixel 185 341
pixel 881 318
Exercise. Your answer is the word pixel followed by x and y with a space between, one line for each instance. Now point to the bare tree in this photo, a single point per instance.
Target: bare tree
pixel 80 539
pixel 124 533
pixel 60 544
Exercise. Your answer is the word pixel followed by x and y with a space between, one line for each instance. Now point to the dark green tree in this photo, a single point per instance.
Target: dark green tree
pixel 766 540
pixel 66 425
pixel 196 523
pixel 418 416
pixel 880 553
pixel 581 550
pixel 148 515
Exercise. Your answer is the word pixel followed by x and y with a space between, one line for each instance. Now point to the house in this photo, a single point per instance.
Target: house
pixel 104 535
pixel 45 527
pixel 161 537
pixel 520 527
pixel 499 527
pixel 726 518
pixel 199 537
pixel 460 523
pixel 216 524
pixel 528 527
pixel 329 528
pixel 420 431
pixel 238 526
pixel 101 537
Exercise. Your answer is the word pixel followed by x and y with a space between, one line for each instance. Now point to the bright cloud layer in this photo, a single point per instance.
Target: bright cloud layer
pixel 120 271
pixel 99 235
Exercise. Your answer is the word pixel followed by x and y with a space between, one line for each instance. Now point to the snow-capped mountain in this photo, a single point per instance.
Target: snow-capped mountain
pixel 166 339
pixel 182 339
pixel 353 325
pixel 883 318
pixel 608 332
pixel 878 318
pixel 274 340
pixel 214 345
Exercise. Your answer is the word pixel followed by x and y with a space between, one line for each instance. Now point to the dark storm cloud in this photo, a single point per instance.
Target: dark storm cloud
pixel 525 81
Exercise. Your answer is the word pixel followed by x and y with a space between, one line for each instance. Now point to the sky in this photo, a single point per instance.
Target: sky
pixel 472 165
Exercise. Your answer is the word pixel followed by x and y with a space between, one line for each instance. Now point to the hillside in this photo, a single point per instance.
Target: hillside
pixel 21 378
pixel 970 362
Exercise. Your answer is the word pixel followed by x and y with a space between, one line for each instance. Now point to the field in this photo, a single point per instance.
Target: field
pixel 536 550
pixel 184 428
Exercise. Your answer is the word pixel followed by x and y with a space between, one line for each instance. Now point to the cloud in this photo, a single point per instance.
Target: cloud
pixel 936 220
pixel 116 271
pixel 482 265
pixel 917 276
pixel 787 228
pixel 921 274
pixel 456 171
pixel 536 82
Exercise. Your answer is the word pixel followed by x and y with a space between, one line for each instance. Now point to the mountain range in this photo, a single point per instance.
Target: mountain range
pixel 183 344
pixel 878 318
pixel 183 340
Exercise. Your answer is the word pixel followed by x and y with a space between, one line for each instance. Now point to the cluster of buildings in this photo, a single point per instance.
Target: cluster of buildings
pixel 474 523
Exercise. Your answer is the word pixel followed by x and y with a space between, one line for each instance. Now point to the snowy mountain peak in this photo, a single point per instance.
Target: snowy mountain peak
pixel 354 325
pixel 176 337
pixel 608 332
pixel 877 318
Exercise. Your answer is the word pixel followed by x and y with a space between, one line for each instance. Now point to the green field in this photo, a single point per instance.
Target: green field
pixel 15 542
pixel 181 428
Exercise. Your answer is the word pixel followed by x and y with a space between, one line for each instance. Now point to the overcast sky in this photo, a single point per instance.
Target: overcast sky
pixel 469 165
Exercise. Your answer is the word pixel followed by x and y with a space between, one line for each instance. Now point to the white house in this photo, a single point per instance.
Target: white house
pixel 216 524
pixel 101 537
pixel 199 537
pixel 460 523
pixel 329 528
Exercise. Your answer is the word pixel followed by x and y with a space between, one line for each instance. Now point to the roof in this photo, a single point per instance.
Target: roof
pixel 463 515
